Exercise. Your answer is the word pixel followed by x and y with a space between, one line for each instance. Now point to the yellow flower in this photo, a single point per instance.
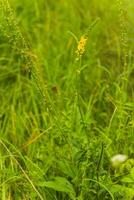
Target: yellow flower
pixel 81 47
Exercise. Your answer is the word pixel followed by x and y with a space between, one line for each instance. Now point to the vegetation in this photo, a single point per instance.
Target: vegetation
pixel 66 94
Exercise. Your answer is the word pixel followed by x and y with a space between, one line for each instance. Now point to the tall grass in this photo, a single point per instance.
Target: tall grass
pixel 66 93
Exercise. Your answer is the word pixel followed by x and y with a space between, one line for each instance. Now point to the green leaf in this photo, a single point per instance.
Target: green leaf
pixel 127 180
pixel 60 184
pixel 132 173
pixel 129 192
pixel 67 169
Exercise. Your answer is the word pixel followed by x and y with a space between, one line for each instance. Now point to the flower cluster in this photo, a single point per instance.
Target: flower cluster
pixel 81 47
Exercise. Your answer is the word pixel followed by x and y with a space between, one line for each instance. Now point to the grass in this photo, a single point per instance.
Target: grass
pixel 66 107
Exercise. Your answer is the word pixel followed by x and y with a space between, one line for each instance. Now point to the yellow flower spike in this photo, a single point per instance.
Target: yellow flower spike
pixel 81 47
pixel 83 40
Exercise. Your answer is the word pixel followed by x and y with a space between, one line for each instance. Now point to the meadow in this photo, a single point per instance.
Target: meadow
pixel 66 100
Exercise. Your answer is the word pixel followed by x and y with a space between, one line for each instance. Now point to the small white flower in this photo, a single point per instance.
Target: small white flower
pixel 118 159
